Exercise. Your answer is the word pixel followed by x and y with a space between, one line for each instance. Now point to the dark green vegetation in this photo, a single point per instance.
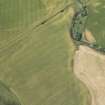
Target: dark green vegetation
pixel 7 97
pixel 36 63
pixel 79 25
pixel 96 20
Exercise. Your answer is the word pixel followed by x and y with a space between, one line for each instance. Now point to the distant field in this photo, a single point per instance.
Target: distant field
pixel 96 21
pixel 37 64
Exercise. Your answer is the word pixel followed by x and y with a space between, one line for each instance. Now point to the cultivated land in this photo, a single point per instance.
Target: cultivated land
pixel 89 67
pixel 96 20
pixel 36 63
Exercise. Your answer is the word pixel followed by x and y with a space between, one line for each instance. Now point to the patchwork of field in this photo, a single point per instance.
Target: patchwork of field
pixel 96 20
pixel 37 62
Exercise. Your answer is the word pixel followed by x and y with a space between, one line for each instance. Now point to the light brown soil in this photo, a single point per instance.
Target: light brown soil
pixel 89 67
pixel 89 36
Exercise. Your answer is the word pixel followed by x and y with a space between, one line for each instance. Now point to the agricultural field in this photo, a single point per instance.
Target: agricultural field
pixel 91 70
pixel 96 20
pixel 36 60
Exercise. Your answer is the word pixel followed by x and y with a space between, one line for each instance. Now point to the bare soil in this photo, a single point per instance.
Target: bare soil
pixel 89 36
pixel 89 67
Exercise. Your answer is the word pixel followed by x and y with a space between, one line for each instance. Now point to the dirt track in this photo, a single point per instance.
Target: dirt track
pixel 89 67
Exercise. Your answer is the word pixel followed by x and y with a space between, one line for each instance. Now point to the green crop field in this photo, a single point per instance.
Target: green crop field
pixel 37 62
pixel 96 21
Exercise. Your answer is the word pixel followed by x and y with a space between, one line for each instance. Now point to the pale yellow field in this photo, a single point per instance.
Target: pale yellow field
pixel 89 67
